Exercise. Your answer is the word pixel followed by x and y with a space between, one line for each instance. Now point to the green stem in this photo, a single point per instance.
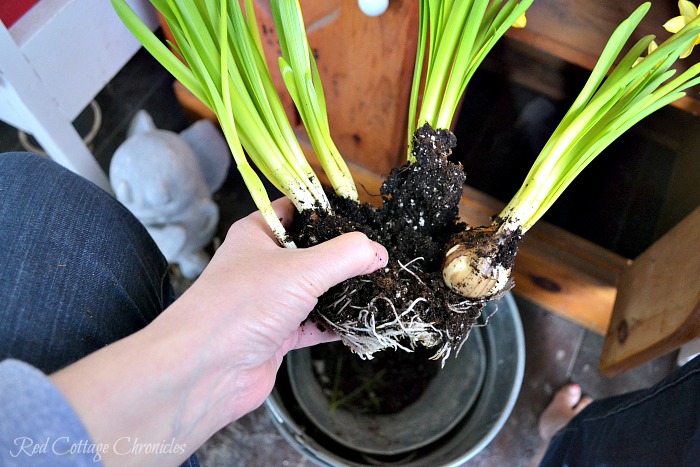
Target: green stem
pixel 300 74
pixel 601 113
pixel 455 36
pixel 226 69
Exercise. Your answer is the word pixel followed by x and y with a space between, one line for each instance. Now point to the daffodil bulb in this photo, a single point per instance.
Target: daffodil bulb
pixel 479 261
pixel 473 275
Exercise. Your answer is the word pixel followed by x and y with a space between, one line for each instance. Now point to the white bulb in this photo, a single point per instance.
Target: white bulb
pixel 373 7
pixel 474 276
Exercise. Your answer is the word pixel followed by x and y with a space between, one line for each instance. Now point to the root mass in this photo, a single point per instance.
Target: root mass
pixel 407 303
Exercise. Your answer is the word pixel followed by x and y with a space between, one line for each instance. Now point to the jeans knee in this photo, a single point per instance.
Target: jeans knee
pixel 76 263
pixel 24 164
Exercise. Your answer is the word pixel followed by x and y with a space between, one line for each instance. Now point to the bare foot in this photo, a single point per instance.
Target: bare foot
pixel 567 402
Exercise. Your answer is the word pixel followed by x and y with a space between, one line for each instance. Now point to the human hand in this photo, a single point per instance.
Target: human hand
pixel 212 356
pixel 256 294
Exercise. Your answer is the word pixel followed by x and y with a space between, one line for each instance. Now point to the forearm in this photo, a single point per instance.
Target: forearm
pixel 212 356
pixel 153 391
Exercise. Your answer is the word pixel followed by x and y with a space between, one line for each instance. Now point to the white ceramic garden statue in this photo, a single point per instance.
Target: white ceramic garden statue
pixel 166 180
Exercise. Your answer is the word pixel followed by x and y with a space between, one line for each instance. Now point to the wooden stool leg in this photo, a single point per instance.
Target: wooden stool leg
pixel 657 309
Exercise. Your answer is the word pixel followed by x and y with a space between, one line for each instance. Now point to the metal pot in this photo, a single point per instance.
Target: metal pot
pixel 449 441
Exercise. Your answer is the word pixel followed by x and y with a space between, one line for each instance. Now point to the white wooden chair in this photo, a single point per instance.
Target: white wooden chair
pixel 53 62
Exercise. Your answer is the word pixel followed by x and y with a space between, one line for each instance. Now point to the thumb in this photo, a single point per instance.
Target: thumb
pixel 349 255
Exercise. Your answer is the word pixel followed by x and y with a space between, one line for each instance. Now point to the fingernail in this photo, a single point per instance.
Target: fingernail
pixel 574 388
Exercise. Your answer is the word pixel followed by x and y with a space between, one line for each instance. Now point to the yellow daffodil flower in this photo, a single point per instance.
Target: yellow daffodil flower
pixel 688 13
pixel 650 48
pixel 521 22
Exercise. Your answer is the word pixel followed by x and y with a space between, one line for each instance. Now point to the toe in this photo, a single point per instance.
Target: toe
pixel 582 404
pixel 566 403
pixel 568 396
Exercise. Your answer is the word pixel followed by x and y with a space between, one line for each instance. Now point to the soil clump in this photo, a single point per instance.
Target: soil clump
pixel 407 303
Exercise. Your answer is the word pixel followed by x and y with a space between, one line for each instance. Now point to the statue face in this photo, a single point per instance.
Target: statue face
pixel 156 176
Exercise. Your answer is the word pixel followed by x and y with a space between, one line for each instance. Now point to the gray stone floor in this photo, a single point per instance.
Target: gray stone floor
pixel 557 351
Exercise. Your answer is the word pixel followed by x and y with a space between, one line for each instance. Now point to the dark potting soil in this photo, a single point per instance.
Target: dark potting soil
pixel 417 218
pixel 384 385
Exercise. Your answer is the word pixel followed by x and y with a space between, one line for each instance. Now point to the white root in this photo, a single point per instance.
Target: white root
pixel 364 336
pixel 405 268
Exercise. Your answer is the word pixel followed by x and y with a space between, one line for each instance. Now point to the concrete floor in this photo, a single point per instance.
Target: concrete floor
pixel 557 351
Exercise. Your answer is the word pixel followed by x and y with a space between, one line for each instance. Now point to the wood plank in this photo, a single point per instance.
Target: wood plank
pixel 577 31
pixel 658 304
pixel 366 65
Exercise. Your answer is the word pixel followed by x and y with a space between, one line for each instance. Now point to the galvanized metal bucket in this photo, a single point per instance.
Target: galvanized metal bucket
pixel 471 409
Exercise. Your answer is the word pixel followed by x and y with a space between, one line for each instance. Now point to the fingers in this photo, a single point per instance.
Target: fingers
pixel 309 334
pixel 321 266
pixel 255 227
pixel 306 335
pixel 338 259
pixel 285 210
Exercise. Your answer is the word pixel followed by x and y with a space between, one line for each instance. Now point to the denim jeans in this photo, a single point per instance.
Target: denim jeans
pixel 658 426
pixel 77 270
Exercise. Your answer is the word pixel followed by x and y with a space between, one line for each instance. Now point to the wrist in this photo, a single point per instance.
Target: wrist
pixel 217 359
pixel 157 386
